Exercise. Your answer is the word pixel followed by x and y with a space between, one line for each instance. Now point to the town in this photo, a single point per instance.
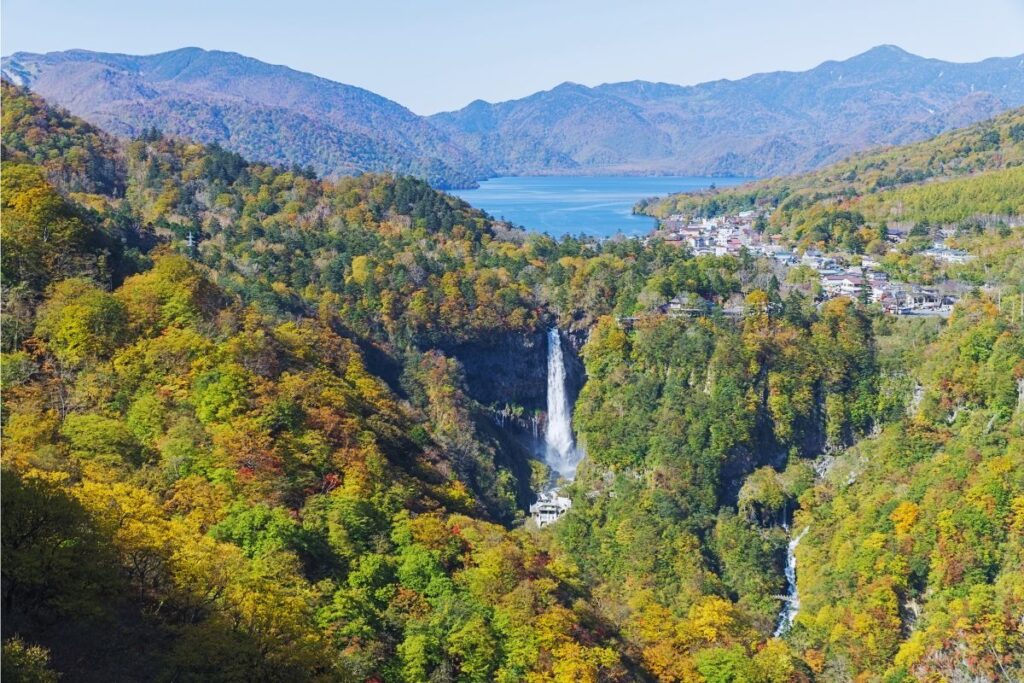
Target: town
pixel 824 276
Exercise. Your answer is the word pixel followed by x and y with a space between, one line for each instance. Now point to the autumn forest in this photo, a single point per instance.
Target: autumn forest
pixel 262 425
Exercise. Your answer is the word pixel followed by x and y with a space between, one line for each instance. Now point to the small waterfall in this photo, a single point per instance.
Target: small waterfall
pixel 915 401
pixel 791 606
pixel 560 452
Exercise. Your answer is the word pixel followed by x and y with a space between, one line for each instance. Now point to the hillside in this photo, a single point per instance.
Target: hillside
pixel 260 425
pixel 766 124
pixel 917 532
pixel 266 112
pixel 972 173
pixel 241 494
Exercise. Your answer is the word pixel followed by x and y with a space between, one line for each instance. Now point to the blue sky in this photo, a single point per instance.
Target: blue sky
pixel 434 55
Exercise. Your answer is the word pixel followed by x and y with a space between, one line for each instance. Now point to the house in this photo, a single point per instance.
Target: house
pixel 842 284
pixel 818 262
pixel 686 304
pixel 891 303
pixel 897 234
pixel 784 257
pixel 947 255
pixel 879 288
pixel 925 297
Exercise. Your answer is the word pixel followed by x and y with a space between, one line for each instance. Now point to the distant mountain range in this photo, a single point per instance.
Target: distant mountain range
pixel 765 124
pixel 265 112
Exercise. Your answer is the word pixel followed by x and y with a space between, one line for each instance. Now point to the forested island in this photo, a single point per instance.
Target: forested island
pixel 262 425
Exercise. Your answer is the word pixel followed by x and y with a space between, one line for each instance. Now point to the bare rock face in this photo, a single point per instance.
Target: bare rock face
pixel 511 370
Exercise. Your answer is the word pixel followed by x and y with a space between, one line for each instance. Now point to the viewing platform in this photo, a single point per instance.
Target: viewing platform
pixel 549 507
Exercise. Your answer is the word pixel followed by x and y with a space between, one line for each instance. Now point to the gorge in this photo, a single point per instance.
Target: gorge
pixel 302 447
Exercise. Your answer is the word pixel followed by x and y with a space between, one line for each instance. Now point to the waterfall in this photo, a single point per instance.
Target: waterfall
pixel 791 606
pixel 560 452
pixel 915 402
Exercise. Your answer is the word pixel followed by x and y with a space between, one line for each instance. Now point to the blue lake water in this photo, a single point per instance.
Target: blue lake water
pixel 571 205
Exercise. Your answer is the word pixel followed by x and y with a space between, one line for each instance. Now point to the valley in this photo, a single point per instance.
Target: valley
pixel 269 422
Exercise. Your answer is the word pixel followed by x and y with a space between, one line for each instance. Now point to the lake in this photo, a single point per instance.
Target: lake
pixel 570 205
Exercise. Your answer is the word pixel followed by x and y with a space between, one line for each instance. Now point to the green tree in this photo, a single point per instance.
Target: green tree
pixel 81 322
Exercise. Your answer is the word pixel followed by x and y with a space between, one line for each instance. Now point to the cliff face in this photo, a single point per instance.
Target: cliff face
pixel 512 370
pixel 575 372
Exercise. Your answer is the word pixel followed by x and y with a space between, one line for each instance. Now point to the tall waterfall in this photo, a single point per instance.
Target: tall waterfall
pixel 560 451
pixel 791 606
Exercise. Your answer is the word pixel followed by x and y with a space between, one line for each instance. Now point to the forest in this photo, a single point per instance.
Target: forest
pixel 960 177
pixel 244 438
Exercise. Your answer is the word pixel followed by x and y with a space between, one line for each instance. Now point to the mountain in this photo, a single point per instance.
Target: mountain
pixel 262 426
pixel 766 124
pixel 266 112
pixel 966 175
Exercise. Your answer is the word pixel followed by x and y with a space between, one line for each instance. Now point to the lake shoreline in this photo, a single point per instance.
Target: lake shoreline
pixel 595 206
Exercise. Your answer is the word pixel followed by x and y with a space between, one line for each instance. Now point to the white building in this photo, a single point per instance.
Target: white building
pixel 842 285
pixel 549 507
pixel 943 253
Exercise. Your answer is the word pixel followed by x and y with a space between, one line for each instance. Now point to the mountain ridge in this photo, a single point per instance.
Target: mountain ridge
pixel 768 123
pixel 870 53
pixel 764 124
pixel 244 104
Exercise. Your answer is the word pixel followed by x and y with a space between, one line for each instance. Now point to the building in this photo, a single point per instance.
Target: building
pixel 549 507
pixel 719 236
pixel 879 288
pixel 823 264
pixel 943 253
pixel 843 284
pixel 686 305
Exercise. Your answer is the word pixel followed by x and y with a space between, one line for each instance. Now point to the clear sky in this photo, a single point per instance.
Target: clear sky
pixel 434 55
